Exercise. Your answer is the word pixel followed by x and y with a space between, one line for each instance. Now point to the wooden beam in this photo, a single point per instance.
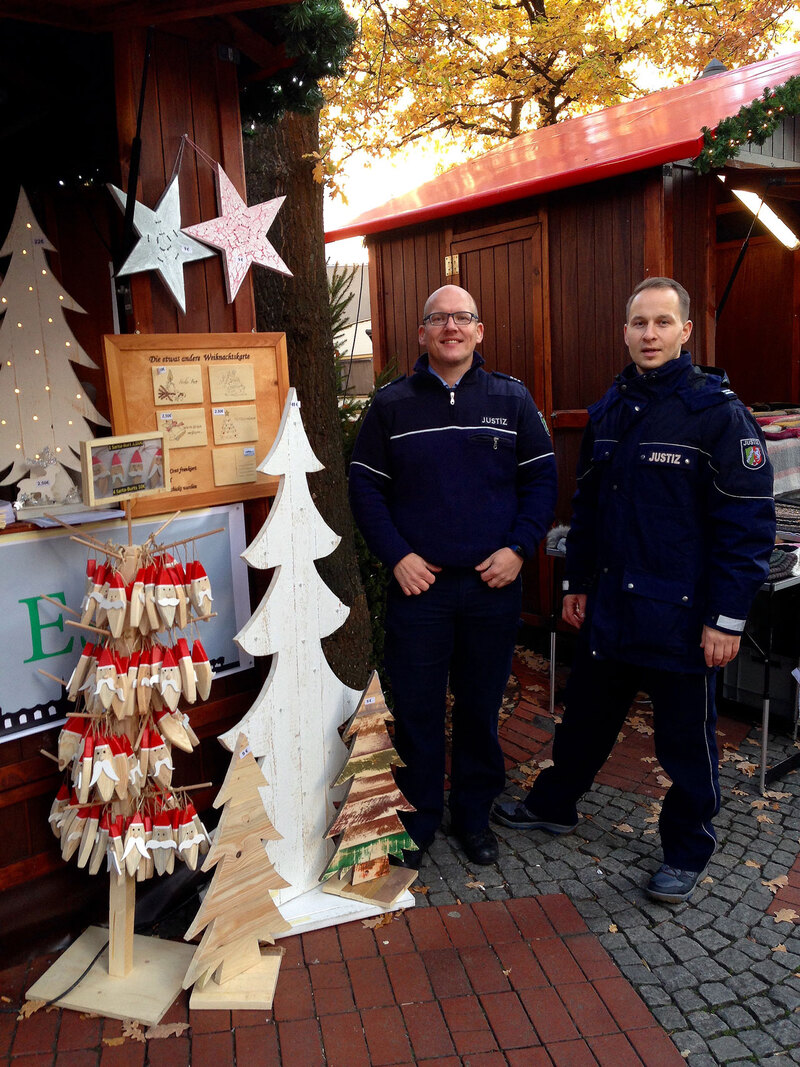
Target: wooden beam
pixel 103 15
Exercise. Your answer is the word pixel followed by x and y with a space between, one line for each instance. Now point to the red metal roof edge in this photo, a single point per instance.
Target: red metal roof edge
pixel 536 185
pixel 377 219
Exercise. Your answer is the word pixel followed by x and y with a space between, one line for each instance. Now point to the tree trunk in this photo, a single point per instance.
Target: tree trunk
pixel 279 160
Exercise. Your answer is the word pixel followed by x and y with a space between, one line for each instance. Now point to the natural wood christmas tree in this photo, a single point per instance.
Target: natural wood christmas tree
pixel 293 726
pixel 367 823
pixel 238 910
pixel 43 406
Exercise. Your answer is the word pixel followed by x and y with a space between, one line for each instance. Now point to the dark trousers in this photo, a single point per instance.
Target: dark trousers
pixel 462 629
pixel 597 699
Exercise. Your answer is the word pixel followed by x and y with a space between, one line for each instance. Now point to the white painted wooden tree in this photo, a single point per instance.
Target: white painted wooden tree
pixel 43 407
pixel 293 726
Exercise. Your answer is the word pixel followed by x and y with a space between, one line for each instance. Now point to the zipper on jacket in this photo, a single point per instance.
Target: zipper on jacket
pixel 452 398
pixel 495 442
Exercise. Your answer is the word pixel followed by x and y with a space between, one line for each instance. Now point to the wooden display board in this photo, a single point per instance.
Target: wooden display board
pixel 118 468
pixel 217 398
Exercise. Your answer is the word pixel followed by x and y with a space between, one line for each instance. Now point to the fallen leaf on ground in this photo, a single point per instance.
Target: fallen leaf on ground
pixel 763 818
pixel 613 928
pixel 708 880
pixel 774 884
pixel 779 948
pixel 29 1007
pixel 624 828
pixel 423 889
pixel 739 792
pixel 131 1028
pixel 759 803
pixel 112 1042
pixel 747 768
pixel 545 763
pixel 649 759
pixel 475 885
pixel 786 915
pixel 752 863
pixel 377 921
pixel 651 818
pixel 776 794
pixel 663 781
pixel 165 1030
pixel 507 972
pixel 620 736
pixel 648 832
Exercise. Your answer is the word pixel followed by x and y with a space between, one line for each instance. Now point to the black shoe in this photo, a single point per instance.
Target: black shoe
pixel 672 885
pixel 480 847
pixel 523 818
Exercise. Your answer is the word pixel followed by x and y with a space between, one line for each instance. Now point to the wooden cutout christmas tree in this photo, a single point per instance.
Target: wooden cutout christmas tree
pixel 238 910
pixel 367 823
pixel 43 406
pixel 293 724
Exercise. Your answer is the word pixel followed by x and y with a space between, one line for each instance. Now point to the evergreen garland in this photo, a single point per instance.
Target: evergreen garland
pixel 317 36
pixel 752 124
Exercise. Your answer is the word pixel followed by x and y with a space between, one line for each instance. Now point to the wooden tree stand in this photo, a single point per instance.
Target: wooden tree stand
pixel 137 977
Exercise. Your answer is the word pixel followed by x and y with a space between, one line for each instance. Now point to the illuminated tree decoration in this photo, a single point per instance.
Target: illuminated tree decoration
pixel 43 406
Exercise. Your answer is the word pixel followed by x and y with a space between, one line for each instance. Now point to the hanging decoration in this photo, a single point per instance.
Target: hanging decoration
pixel 162 245
pixel 752 124
pixel 240 233
pixel 44 410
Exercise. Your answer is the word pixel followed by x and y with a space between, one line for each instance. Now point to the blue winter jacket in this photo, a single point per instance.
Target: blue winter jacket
pixel 452 473
pixel 673 519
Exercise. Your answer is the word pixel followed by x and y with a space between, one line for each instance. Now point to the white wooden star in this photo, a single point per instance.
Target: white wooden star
pixel 240 233
pixel 162 245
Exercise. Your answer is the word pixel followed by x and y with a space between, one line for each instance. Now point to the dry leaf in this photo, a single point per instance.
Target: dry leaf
pixel 165 1030
pixel 507 972
pixel 776 794
pixel 474 885
pixel 112 1042
pixel 763 818
pixel 779 948
pixel 378 921
pixel 752 863
pixel 620 736
pixel 624 828
pixel 423 889
pixel 747 768
pixel 647 833
pixel 786 915
pixel 774 884
pixel 613 928
pixel 131 1028
pixel 648 759
pixel 29 1007
pixel 707 881
pixel 739 792
pixel 759 804
pixel 651 818
pixel 666 782
pixel 545 763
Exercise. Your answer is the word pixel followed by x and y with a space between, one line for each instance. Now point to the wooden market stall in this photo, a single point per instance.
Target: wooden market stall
pixel 77 75
pixel 552 230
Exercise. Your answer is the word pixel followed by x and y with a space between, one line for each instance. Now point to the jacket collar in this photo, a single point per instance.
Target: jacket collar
pixel 422 367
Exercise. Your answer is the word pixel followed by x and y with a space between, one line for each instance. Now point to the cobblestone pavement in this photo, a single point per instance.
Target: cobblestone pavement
pixel 722 973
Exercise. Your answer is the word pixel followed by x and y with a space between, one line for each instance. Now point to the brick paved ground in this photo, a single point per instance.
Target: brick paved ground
pixel 555 956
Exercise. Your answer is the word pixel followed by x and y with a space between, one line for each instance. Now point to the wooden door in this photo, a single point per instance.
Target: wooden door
pixel 503 269
pixel 502 266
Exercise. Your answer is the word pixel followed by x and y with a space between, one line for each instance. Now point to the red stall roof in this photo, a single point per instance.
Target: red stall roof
pixel 655 129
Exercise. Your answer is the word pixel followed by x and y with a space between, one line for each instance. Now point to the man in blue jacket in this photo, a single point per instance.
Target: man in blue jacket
pixel 673 526
pixel 452 483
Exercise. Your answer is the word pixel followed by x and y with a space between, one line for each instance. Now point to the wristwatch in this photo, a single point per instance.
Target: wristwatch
pixel 518 550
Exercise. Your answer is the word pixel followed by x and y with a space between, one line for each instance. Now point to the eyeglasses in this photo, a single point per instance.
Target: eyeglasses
pixel 460 318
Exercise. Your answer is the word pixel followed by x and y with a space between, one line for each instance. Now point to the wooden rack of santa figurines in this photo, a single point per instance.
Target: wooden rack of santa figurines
pixel 139 668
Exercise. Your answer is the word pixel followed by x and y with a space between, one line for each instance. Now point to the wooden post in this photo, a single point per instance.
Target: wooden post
pixel 121 910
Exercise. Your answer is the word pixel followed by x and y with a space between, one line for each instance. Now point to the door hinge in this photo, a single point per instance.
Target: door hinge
pixel 450 266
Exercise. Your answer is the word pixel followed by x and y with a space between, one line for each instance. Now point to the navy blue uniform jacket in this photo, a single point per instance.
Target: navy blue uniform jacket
pixel 452 474
pixel 673 520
